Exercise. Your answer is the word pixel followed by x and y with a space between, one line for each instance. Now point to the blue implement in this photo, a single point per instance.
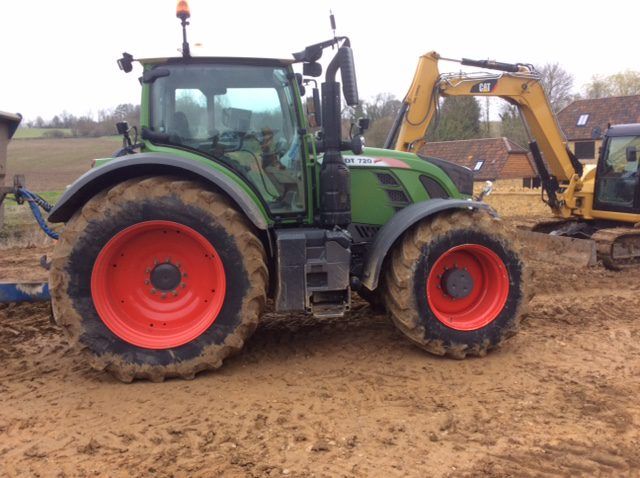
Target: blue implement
pixel 24 292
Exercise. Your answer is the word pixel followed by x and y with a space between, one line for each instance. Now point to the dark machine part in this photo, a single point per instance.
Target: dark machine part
pixel 335 178
pixel 549 183
pixel 313 271
pixel 18 183
pixel 395 127
pixel 492 65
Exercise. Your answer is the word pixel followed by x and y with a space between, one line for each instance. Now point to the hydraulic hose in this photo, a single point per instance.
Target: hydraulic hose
pixel 35 203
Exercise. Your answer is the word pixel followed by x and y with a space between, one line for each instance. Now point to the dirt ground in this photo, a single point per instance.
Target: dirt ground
pixel 347 397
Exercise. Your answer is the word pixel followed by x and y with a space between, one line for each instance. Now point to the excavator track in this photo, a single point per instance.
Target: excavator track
pixel 618 247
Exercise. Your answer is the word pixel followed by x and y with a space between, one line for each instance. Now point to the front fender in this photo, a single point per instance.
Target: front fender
pixel 142 164
pixel 399 223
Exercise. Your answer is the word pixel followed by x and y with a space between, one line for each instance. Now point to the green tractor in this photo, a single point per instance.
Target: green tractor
pixel 172 247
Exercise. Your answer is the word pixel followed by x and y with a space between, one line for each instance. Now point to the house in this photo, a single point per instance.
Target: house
pixel 489 158
pixel 584 122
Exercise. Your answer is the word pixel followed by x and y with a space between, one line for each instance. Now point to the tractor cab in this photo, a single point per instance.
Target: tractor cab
pixel 242 113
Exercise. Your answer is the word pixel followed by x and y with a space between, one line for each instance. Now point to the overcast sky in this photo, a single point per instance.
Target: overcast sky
pixel 59 55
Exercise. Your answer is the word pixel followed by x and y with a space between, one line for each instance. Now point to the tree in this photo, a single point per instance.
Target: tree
pixel 384 105
pixel 558 84
pixel 624 83
pixel 381 111
pixel 511 125
pixel 459 119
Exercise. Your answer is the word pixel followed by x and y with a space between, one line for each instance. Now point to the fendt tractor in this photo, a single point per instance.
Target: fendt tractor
pixel 600 203
pixel 171 248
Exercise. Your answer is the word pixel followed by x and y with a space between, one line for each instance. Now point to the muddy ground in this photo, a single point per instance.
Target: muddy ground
pixel 347 397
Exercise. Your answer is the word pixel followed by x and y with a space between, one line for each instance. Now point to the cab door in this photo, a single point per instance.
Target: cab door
pixel 617 177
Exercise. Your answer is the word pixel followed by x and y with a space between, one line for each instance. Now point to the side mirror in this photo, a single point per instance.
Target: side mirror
pixel 126 62
pixel 312 69
pixel 348 73
pixel 632 154
pixel 122 127
pixel 363 124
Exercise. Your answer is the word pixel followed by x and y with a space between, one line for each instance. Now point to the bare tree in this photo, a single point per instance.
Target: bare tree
pixel 624 83
pixel 383 105
pixel 558 84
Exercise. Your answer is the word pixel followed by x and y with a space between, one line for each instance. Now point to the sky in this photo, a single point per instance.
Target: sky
pixel 61 55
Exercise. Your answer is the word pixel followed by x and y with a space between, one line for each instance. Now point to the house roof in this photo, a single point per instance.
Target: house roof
pixel 494 152
pixel 601 112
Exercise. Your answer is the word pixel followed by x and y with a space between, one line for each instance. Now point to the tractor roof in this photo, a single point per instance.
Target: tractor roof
pixel 218 59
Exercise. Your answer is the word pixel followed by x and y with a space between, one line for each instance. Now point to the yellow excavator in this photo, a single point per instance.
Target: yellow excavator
pixel 599 202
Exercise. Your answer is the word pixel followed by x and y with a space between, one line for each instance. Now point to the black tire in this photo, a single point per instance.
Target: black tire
pixel 409 267
pixel 168 199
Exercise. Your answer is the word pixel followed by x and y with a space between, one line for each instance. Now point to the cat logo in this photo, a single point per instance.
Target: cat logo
pixel 484 86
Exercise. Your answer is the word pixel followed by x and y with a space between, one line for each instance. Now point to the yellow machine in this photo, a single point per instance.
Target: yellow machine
pixel 599 202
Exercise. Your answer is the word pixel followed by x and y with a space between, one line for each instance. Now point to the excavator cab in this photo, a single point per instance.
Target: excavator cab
pixel 618 179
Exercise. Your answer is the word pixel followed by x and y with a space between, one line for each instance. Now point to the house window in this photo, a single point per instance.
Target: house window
pixel 582 120
pixel 478 165
pixel 585 149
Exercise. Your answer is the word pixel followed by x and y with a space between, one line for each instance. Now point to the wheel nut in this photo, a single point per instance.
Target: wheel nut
pixel 183 285
pixel 153 291
pixel 174 292
pixel 164 295
pixel 146 282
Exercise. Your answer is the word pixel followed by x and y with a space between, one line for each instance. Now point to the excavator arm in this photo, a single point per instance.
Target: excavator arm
pixel 518 84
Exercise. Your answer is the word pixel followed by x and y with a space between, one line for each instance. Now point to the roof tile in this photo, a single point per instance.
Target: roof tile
pixel 601 111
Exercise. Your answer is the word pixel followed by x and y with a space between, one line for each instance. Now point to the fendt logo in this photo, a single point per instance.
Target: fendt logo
pixel 484 86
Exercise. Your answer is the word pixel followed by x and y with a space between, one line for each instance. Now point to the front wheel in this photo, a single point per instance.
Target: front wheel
pixel 157 278
pixel 455 285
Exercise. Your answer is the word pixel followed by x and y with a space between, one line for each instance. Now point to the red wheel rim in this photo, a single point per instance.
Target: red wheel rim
pixel 485 298
pixel 158 284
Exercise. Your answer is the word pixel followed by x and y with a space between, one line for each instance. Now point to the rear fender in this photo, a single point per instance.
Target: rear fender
pixel 399 223
pixel 143 164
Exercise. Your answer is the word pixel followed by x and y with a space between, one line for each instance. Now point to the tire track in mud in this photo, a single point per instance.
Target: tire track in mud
pixel 346 397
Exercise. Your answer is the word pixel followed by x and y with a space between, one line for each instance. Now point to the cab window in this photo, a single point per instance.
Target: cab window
pixel 243 116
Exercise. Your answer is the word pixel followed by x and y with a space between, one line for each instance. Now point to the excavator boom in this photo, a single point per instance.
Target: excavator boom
pixel 570 189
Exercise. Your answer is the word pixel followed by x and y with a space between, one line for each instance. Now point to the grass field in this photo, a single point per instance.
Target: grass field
pixel 52 164
pixel 38 133
pixel 49 165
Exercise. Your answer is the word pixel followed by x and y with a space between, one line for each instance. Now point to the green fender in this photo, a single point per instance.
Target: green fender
pixel 399 223
pixel 143 164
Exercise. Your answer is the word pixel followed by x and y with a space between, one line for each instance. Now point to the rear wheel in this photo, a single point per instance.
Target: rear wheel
pixel 158 278
pixel 455 285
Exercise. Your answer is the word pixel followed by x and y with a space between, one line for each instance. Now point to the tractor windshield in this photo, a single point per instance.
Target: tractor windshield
pixel 241 115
